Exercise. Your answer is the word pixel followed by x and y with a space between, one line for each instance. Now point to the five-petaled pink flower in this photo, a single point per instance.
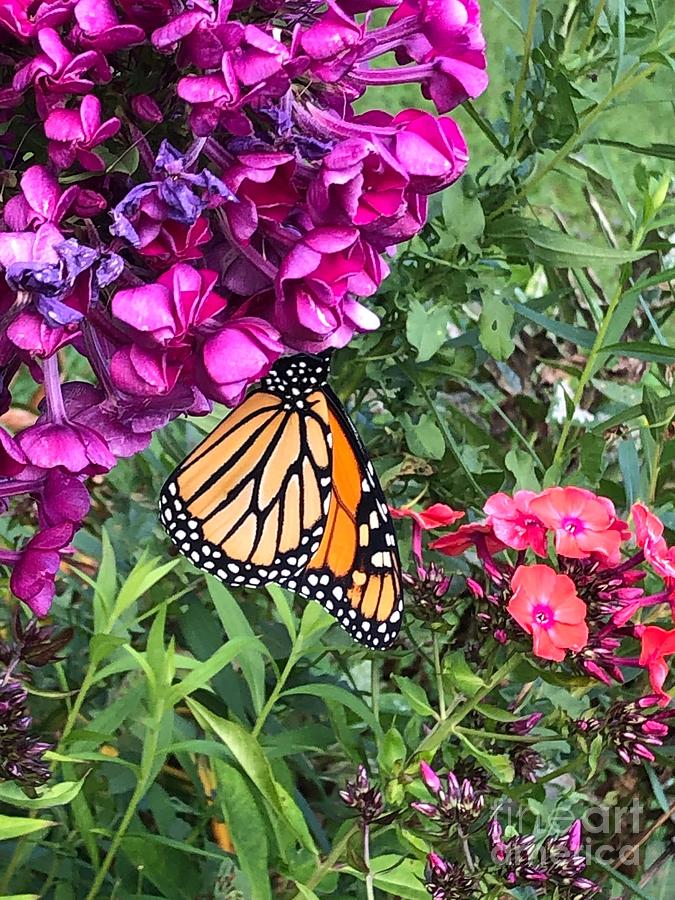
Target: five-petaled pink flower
pixel 514 523
pixel 582 522
pixel 74 133
pixel 546 605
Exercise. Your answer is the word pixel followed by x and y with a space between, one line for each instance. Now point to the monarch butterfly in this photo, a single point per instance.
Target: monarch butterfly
pixel 283 491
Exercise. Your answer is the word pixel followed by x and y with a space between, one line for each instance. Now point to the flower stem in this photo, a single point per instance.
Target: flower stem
pixel 445 728
pixel 50 370
pixel 524 67
pixel 274 696
pixel 370 888
pixel 142 785
pixel 439 675
pixel 324 867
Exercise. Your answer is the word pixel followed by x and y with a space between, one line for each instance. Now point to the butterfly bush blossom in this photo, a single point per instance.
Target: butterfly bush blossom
pixel 561 575
pixel 199 196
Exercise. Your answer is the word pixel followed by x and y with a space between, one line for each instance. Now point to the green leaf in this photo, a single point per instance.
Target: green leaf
pixel 460 675
pixel 425 439
pixel 205 671
pixel 594 754
pixel 293 814
pixel 657 353
pixel 415 695
pixel 247 827
pixel 163 866
pixel 521 465
pixel 315 622
pixel 331 693
pixel 396 877
pixel 426 330
pixel 582 337
pixel 392 752
pixel 496 713
pixel 142 577
pixel 305 892
pixel 524 237
pixel 246 750
pixel 494 326
pixel 629 463
pixel 498 763
pixel 463 217
pixel 283 607
pixel 53 795
pixel 14 826
pixel 236 625
pixel 106 584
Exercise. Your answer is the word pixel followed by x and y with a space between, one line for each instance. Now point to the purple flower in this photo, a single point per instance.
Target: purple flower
pixel 359 183
pixel 32 578
pixel 56 72
pixel 41 200
pixel 146 109
pixel 431 150
pixel 362 796
pixel 201 32
pixel 76 448
pixel 333 43
pixel 21 756
pixel 312 283
pixel 12 458
pixel 64 499
pixel 167 311
pixel 74 133
pixel 99 27
pixel 263 185
pixel 239 354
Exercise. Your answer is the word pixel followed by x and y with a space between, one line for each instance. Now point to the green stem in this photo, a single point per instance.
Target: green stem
pixel 591 362
pixel 87 682
pixel 370 887
pixel 524 67
pixel 629 80
pixel 496 736
pixel 439 675
pixel 276 693
pixel 444 729
pixel 324 867
pixel 480 122
pixel 142 785
pixel 375 687
pixel 594 24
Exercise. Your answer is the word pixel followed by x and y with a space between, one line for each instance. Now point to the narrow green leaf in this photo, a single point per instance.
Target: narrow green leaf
pixel 283 607
pixel 142 577
pixel 331 693
pixel 52 795
pixel 582 337
pixel 205 671
pixel 415 695
pixel 14 826
pixel 236 625
pixel 657 353
pixel 247 827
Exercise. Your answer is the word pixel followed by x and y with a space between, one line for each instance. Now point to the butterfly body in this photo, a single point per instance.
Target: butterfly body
pixel 282 491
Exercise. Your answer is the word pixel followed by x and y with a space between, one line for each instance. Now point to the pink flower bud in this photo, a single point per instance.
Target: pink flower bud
pixel 145 108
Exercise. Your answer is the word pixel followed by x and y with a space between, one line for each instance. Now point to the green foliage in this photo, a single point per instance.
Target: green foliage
pixel 527 339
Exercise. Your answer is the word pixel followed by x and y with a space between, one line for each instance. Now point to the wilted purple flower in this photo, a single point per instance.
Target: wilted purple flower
pixel 74 133
pixel 524 726
pixel 32 645
pixel 145 108
pixel 362 796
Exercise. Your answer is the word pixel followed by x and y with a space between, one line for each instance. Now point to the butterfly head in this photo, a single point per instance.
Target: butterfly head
pixel 297 376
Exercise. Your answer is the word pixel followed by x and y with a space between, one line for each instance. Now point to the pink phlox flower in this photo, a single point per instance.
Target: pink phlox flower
pixel 333 43
pixel 657 643
pixel 582 522
pixel 514 523
pixel 546 606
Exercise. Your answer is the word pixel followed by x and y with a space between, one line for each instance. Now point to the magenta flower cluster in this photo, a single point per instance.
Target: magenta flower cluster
pixel 199 197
